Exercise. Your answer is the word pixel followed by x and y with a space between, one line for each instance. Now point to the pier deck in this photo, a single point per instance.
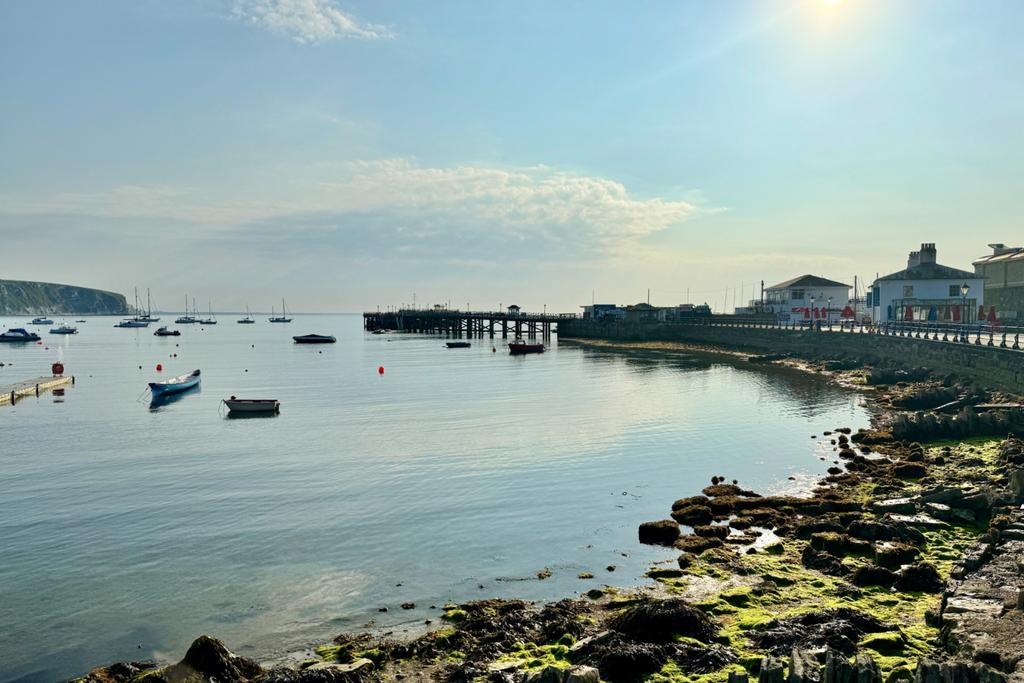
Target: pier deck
pixel 10 393
pixel 457 323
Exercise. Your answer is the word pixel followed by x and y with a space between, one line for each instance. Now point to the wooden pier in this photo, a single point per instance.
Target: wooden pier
pixel 466 323
pixel 32 387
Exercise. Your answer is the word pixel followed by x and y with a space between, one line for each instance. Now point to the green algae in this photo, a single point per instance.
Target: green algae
pixel 531 656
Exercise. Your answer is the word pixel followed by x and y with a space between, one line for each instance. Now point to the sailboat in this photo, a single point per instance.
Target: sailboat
pixel 134 321
pixel 148 315
pixel 186 319
pixel 210 320
pixel 281 318
pixel 247 320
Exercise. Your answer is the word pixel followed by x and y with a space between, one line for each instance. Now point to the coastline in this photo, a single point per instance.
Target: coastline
pixel 721 587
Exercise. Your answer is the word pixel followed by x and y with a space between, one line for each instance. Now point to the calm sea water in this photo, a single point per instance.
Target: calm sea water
pixel 126 532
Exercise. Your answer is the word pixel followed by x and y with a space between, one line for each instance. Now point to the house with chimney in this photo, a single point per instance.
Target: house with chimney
pixel 927 292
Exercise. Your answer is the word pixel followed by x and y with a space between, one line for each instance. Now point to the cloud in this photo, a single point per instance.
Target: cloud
pixel 306 21
pixel 391 208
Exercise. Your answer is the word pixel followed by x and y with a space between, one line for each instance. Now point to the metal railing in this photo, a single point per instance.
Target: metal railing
pixel 995 335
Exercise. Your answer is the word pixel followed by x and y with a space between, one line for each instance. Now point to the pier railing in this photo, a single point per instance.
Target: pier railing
pixel 995 335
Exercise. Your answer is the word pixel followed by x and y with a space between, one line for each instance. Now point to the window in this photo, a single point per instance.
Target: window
pixel 954 290
pixel 797 294
pixel 908 291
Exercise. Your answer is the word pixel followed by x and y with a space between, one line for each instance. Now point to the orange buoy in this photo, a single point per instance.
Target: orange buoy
pixel 380 370
pixel 159 367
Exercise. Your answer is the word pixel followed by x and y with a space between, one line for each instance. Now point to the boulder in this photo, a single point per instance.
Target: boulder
pixel 829 541
pixel 687 502
pixel 803 667
pixel 872 575
pixel 210 658
pixel 582 674
pixel 659 621
pixel 771 670
pixel 892 554
pixel 711 531
pixel 693 515
pixel 549 674
pixel 910 470
pixel 822 561
pixel 662 532
pixel 697 544
pixel 919 578
pixel 899 505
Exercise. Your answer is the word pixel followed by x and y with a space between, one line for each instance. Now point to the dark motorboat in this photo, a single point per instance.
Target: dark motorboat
pixel 314 339
pixel 164 332
pixel 19 334
pixel 41 321
pixel 520 347
pixel 457 345
pixel 176 385
pixel 64 329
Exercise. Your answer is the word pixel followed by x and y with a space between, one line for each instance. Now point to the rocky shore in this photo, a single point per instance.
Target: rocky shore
pixel 905 563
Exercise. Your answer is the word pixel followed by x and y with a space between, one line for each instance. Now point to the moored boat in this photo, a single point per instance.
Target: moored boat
pixel 41 321
pixel 283 318
pixel 164 332
pixel 252 406
pixel 519 347
pixel 457 345
pixel 176 385
pixel 18 334
pixel 314 339
pixel 132 322
pixel 64 329
pixel 248 319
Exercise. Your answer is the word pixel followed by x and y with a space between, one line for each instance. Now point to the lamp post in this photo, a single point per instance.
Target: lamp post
pixel 828 314
pixel 812 313
pixel 964 289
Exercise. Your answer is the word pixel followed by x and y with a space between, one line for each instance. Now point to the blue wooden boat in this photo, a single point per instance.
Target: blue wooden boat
pixel 176 385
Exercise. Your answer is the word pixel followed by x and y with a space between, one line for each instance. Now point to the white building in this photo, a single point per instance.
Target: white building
pixel 926 291
pixel 807 297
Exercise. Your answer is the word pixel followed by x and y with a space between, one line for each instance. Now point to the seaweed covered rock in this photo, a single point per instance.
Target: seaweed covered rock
pixel 892 554
pixel 662 532
pixel 622 659
pixel 919 578
pixel 873 575
pixel 838 629
pixel 659 621
pixel 693 515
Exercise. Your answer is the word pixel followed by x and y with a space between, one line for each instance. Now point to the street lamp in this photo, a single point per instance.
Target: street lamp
pixel 828 314
pixel 964 289
pixel 812 313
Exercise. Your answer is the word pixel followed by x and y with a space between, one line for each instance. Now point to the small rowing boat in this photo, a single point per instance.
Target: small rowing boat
pixel 521 347
pixel 176 385
pixel 457 345
pixel 314 339
pixel 252 406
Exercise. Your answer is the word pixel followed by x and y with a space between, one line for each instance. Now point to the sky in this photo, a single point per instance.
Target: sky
pixel 352 154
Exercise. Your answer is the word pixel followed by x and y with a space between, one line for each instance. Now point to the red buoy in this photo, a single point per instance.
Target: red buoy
pixel 159 367
pixel 57 369
pixel 380 370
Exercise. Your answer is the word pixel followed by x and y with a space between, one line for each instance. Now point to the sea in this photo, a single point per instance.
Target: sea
pixel 398 471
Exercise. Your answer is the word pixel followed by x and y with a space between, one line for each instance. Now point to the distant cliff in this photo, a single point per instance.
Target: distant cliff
pixel 18 297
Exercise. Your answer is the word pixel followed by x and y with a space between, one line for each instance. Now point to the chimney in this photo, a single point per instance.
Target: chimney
pixel 914 259
pixel 928 252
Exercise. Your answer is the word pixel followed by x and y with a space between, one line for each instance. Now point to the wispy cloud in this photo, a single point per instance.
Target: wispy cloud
pixel 398 207
pixel 306 21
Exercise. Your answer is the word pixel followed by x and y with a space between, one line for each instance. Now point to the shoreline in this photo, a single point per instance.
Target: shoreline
pixel 712 582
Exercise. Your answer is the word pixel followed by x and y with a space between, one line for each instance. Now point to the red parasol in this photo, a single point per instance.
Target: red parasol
pixel 909 313
pixel 992 314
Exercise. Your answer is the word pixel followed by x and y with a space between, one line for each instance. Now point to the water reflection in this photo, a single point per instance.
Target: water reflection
pixel 159 402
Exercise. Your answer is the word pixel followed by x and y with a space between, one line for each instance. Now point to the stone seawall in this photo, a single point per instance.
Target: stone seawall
pixel 990 366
